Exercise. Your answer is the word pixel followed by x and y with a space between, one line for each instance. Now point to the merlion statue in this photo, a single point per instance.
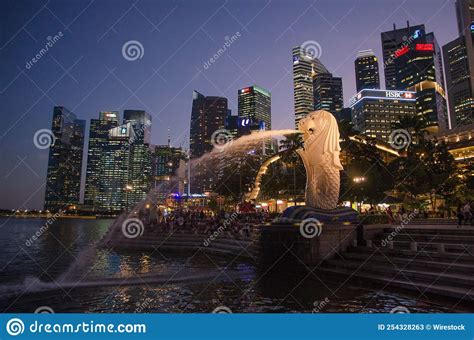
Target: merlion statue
pixel 320 155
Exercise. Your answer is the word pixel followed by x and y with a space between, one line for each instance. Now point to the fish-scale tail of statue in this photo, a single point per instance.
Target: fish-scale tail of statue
pixel 322 191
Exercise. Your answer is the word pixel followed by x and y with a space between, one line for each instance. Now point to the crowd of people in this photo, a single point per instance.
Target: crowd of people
pixel 203 221
pixel 464 214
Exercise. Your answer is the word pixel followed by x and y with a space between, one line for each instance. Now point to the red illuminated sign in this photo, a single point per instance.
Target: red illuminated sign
pixel 401 51
pixel 245 90
pixel 424 47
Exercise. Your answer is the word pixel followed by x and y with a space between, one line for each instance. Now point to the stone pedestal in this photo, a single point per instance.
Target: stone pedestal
pixel 284 244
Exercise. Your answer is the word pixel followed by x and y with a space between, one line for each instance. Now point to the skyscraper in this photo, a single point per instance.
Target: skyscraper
pixel 459 67
pixel 366 71
pixel 208 115
pixel 255 103
pixel 464 15
pixel 254 106
pixel 327 92
pixel 305 67
pixel 392 41
pixel 419 68
pixel 375 111
pixel 98 144
pixel 166 160
pixel 113 187
pixel 139 177
pixel 63 183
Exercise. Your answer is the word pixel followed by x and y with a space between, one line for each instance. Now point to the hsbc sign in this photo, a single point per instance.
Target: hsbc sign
pixel 382 94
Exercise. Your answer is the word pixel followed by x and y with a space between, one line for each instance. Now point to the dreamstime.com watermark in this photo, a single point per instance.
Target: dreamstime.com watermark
pixel 231 218
pixel 133 50
pixel 51 41
pixel 16 327
pixel 221 139
pixel 227 44
pixel 399 139
pixel 44 228
pixel 44 138
pixel 311 227
pixel 405 220
pixel 132 227
pixel 320 305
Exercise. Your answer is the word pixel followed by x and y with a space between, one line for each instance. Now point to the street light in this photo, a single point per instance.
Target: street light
pixel 359 179
pixel 128 188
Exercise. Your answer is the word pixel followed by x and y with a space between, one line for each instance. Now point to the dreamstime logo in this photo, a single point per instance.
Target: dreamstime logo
pixel 399 139
pixel 222 310
pixel 228 42
pixel 221 138
pixel 311 227
pixel 400 310
pixel 44 138
pixel 51 41
pixel 133 50
pixel 44 310
pixel 132 228
pixel 312 48
pixel 15 327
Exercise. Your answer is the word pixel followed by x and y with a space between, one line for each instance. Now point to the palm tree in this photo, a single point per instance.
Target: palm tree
pixel 289 156
pixel 415 125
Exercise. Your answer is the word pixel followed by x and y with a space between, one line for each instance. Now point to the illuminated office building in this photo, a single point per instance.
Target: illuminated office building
pixel 375 111
pixel 208 115
pixel 419 68
pixel 366 68
pixel 63 183
pixel 459 67
pixel 98 144
pixel 139 167
pixel 327 93
pixel 392 41
pixel 305 67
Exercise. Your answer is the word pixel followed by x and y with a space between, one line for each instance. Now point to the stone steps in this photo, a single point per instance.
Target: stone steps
pixel 185 242
pixel 450 266
pixel 432 246
pixel 465 239
pixel 448 231
pixel 465 258
pixel 442 262
pixel 434 221
pixel 393 272
pixel 458 293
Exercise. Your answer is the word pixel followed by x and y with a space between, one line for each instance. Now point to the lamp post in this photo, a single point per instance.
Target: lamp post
pixel 128 188
pixel 359 180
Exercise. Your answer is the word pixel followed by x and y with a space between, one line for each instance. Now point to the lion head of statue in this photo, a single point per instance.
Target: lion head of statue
pixel 321 134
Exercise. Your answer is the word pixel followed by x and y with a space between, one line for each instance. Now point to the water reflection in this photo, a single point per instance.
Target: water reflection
pixel 212 280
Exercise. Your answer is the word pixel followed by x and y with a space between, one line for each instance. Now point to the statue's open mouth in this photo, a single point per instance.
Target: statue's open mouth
pixel 311 131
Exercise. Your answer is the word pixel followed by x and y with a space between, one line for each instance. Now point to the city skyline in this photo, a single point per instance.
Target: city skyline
pixel 224 75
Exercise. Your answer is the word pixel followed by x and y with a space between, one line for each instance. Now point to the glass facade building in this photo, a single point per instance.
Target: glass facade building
pixel 166 160
pixel 327 92
pixel 208 114
pixel 98 145
pixel 63 182
pixel 375 111
pixel 366 68
pixel 392 41
pixel 305 67
pixel 419 68
pixel 459 67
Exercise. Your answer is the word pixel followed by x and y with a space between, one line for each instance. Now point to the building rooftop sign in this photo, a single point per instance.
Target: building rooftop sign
pixel 382 94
